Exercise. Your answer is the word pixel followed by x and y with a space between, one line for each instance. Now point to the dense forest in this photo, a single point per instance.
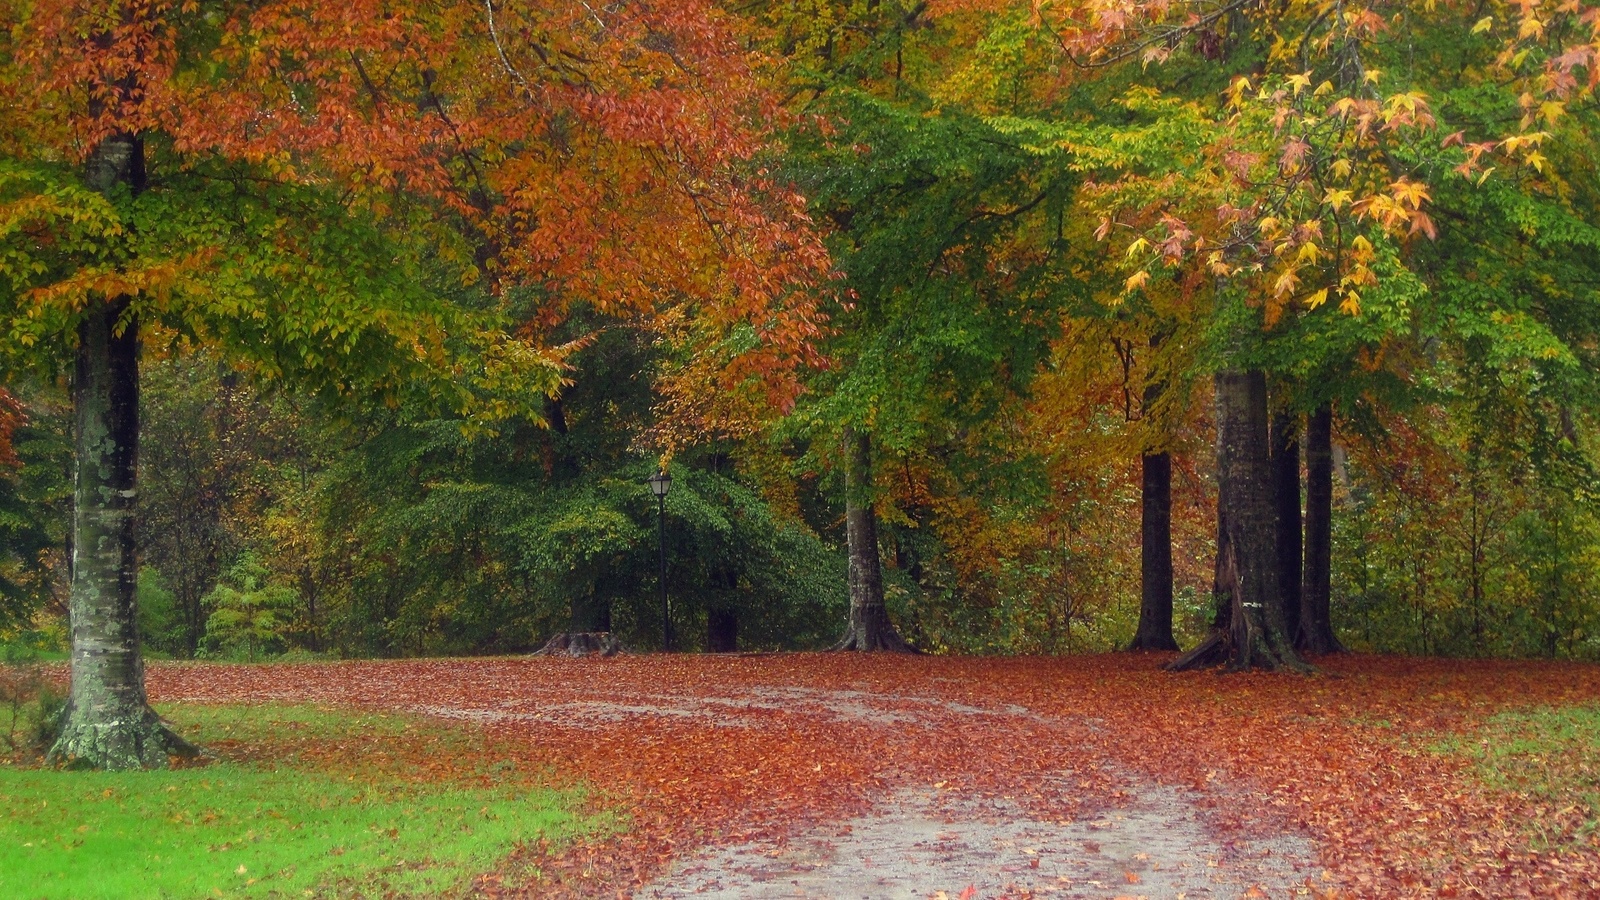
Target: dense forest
pixel 1259 330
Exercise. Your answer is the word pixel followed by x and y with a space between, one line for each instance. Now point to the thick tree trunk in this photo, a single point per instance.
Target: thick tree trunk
pixel 108 723
pixel 1316 624
pixel 591 612
pixel 869 627
pixel 1253 635
pixel 1286 503
pixel 1155 556
pixel 722 630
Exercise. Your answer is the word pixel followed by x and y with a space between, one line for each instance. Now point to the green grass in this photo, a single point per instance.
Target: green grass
pixel 1549 753
pixel 314 802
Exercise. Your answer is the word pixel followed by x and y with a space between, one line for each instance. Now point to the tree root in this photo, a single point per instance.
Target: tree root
pixel 1208 654
pixel 1219 650
pixel 581 643
pixel 873 640
pixel 140 740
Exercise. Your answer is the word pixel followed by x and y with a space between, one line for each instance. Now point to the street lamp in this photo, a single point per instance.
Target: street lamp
pixel 660 483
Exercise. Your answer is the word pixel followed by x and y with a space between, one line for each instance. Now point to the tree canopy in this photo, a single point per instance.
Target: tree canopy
pixel 966 325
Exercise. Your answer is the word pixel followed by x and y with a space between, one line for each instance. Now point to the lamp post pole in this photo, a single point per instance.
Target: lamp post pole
pixel 660 483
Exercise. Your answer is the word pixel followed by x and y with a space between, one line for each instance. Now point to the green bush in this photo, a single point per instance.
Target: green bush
pixel 249 616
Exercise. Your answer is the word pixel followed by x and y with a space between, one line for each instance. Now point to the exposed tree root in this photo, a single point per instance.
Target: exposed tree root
pixel 868 639
pixel 137 740
pixel 1222 649
pixel 581 643
pixel 1208 654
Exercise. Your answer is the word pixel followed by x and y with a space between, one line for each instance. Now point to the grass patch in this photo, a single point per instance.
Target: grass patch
pixel 305 801
pixel 1549 753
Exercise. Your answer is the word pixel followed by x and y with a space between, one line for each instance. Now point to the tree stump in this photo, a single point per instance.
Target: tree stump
pixel 581 643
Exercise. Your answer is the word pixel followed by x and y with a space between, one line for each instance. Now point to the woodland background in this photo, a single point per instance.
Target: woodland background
pixel 425 295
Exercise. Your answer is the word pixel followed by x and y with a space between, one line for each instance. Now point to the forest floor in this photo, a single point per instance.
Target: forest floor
pixel 815 775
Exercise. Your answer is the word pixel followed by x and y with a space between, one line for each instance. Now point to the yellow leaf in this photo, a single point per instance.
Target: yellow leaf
pixel 1136 281
pixel 1351 304
pixel 1317 299
pixel 1137 247
pixel 1299 83
pixel 1286 283
pixel 1337 197
pixel 1372 75
pixel 1309 253
pixel 1340 168
pixel 1484 24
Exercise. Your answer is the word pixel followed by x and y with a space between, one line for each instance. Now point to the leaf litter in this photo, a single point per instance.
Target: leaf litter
pixel 772 751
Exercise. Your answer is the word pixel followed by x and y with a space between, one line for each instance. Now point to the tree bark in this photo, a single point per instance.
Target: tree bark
pixel 1253 635
pixel 1286 504
pixel 869 627
pixel 108 722
pixel 1316 622
pixel 1155 556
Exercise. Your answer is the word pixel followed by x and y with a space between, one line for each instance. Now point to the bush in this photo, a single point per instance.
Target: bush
pixel 30 706
pixel 250 617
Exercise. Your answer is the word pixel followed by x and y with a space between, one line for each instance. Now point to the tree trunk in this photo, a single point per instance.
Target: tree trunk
pixel 1155 556
pixel 1286 503
pixel 591 612
pixel 1253 635
pixel 869 627
pixel 108 723
pixel 1316 623
pixel 722 630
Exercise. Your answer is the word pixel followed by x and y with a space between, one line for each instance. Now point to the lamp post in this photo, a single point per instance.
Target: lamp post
pixel 660 483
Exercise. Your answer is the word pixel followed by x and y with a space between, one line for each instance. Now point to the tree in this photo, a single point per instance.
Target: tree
pixel 1154 631
pixel 1316 635
pixel 868 627
pixel 951 275
pixel 99 255
pixel 1250 630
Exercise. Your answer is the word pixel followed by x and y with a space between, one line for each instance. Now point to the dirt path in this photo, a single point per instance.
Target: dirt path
pixel 1147 841
pixel 925 843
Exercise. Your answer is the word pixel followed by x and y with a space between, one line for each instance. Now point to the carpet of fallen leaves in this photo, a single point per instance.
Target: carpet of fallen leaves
pixel 703 749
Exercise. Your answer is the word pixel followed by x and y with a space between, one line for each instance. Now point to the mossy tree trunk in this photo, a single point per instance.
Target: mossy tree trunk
pixel 869 627
pixel 108 722
pixel 1250 630
pixel 1316 622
